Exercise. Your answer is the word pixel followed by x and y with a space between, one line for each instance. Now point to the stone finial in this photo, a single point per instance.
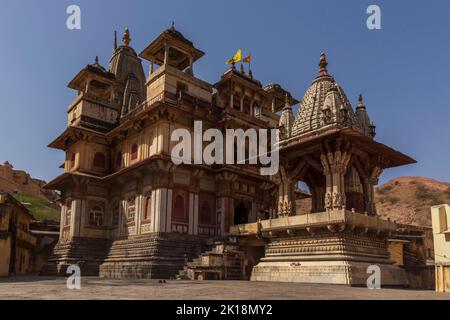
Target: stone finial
pixel 323 65
pixel 115 40
pixel 172 27
pixel 360 102
pixel 96 61
pixel 126 37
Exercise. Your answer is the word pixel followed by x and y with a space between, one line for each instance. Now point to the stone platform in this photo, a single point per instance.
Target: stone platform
pixel 334 247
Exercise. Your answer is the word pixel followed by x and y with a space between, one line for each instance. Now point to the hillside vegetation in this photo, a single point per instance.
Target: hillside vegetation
pixel 40 208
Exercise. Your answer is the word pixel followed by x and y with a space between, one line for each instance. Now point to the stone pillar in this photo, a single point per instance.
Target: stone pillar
pixel 335 165
pixel 166 53
pixel 75 218
pixel 224 187
pixel 63 218
pixel 193 214
pixel 191 64
pixel 152 67
pixel 161 206
pixel 372 182
pixel 169 211
pixel 286 205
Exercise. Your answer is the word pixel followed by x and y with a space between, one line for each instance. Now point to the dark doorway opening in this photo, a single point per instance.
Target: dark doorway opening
pixel 240 214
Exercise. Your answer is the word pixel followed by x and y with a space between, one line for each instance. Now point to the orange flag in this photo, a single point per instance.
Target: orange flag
pixel 247 59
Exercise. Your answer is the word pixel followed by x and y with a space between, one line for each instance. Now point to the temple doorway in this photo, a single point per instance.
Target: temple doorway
pixel 240 214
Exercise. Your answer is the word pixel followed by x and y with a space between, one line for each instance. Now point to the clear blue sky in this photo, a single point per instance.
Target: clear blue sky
pixel 402 69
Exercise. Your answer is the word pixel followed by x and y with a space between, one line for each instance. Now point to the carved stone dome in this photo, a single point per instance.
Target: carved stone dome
pixel 324 105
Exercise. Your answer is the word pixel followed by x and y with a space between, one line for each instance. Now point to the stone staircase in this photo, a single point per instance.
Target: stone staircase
pixel 87 253
pixel 224 261
pixel 156 256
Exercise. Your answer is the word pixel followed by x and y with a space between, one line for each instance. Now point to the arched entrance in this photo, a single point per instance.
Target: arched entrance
pixel 240 214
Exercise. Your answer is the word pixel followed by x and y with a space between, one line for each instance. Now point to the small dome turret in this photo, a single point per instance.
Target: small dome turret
pixel 363 117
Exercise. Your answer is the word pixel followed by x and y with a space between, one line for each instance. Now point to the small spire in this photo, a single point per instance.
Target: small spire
pixel 287 104
pixel 173 25
pixel 126 37
pixel 96 61
pixel 323 65
pixel 115 40
pixel 360 102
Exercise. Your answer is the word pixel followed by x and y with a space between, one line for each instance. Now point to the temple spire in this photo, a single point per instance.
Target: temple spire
pixel 287 105
pixel 360 102
pixel 323 65
pixel 115 40
pixel 126 37
pixel 173 25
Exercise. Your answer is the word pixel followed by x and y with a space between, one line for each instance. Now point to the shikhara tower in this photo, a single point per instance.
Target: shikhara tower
pixel 128 211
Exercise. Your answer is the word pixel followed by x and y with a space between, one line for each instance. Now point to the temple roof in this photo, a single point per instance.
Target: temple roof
pixel 324 104
pixel 181 46
pixel 93 69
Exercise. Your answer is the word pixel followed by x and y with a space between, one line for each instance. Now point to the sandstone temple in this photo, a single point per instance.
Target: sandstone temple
pixel 129 211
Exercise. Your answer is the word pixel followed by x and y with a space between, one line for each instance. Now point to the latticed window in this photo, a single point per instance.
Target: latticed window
pixel 131 210
pixel 96 215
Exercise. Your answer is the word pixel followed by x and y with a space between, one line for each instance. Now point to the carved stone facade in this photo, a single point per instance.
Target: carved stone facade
pixel 129 211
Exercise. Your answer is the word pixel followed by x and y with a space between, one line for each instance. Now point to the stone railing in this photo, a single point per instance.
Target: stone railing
pixel 330 220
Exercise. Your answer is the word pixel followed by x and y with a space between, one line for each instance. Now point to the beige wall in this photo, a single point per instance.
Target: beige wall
pixel 440 216
pixel 5 251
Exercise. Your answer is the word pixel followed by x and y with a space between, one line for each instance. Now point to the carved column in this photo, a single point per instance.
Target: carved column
pixel 286 205
pixel 335 165
pixel 225 182
pixel 372 182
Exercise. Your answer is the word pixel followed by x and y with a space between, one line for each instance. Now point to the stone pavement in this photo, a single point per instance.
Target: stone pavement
pixel 35 287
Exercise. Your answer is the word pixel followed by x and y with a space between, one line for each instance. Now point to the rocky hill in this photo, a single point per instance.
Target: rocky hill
pixel 408 199
pixel 30 191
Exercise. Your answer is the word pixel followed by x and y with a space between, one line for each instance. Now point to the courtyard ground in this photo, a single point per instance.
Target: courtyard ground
pixel 35 287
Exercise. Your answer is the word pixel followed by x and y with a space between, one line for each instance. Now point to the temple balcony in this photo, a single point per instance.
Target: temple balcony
pixel 87 110
pixel 172 81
